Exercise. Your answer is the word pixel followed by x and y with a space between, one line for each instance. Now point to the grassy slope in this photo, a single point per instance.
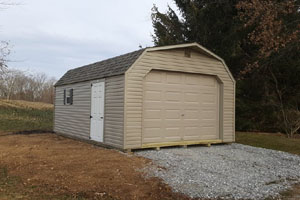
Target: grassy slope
pixel 25 116
pixel 269 141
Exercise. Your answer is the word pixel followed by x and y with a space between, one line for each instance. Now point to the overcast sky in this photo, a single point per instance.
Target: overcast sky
pixel 52 36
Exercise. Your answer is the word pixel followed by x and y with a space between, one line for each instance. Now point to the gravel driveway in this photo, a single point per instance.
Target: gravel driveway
pixel 225 171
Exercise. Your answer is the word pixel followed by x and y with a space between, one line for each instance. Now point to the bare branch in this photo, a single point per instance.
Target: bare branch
pixel 4 53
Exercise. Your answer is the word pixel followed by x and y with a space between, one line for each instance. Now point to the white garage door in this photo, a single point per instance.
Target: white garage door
pixel 180 106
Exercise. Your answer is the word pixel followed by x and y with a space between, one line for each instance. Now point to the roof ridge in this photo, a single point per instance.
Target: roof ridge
pixel 108 59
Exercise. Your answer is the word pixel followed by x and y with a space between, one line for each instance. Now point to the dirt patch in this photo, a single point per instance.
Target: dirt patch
pixel 56 165
pixel 293 194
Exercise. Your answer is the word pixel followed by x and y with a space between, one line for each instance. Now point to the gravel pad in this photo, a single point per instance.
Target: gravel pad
pixel 225 171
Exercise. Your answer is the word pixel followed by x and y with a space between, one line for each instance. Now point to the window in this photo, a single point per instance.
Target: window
pixel 68 96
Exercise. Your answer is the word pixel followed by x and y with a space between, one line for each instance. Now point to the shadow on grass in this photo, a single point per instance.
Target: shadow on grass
pixel 32 132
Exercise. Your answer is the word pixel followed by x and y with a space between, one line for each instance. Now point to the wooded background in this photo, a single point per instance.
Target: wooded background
pixel 260 42
pixel 19 85
pixel 258 39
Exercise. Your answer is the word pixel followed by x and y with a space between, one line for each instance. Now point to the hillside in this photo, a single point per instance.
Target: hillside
pixel 25 116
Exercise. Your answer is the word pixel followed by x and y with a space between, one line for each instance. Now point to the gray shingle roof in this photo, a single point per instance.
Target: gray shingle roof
pixel 110 67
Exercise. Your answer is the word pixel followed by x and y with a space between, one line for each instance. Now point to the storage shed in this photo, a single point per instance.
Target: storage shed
pixel 161 96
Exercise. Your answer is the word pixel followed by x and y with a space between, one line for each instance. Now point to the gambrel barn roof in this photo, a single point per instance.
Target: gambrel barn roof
pixel 120 64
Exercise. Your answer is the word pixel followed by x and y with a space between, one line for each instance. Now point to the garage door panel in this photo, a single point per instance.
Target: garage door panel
pixel 153 95
pixel 208 132
pixel 172 96
pixel 154 77
pixel 173 114
pixel 192 114
pixel 208 123
pixel 209 115
pixel 153 114
pixel 191 89
pixel 200 81
pixel 189 123
pixel 208 137
pixel 173 78
pixel 153 105
pixel 169 105
pixel 191 138
pixel 191 131
pixel 173 132
pixel 192 80
pixel 191 97
pixel 151 140
pixel 191 106
pixel 152 132
pixel 185 105
pixel 173 88
pixel 152 123
pixel 209 98
pixel 171 123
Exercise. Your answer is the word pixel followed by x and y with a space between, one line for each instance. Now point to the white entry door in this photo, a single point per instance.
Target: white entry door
pixel 97 112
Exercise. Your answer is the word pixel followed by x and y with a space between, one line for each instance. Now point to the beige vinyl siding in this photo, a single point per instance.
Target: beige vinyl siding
pixel 173 60
pixel 114 111
pixel 74 120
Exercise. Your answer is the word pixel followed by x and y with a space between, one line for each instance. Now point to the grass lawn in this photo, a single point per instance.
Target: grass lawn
pixel 270 141
pixel 25 116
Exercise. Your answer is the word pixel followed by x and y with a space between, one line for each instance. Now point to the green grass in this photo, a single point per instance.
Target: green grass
pixel 22 116
pixel 270 141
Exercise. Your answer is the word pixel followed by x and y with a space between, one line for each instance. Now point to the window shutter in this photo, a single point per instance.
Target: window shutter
pixel 71 96
pixel 65 96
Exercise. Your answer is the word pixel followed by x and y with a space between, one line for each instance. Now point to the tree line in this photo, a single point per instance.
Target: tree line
pixel 19 85
pixel 260 42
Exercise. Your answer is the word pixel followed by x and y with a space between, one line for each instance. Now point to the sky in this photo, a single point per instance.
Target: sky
pixel 53 36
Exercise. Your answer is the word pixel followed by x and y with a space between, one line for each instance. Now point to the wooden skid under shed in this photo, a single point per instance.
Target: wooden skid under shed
pixel 184 144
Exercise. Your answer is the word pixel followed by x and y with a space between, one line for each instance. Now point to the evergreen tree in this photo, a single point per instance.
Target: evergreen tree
pixel 259 40
pixel 213 24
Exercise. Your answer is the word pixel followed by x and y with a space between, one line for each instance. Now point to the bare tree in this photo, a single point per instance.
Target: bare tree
pixel 18 85
pixel 289 113
pixel 4 52
pixel 276 32
pixel 48 91
pixel 8 82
